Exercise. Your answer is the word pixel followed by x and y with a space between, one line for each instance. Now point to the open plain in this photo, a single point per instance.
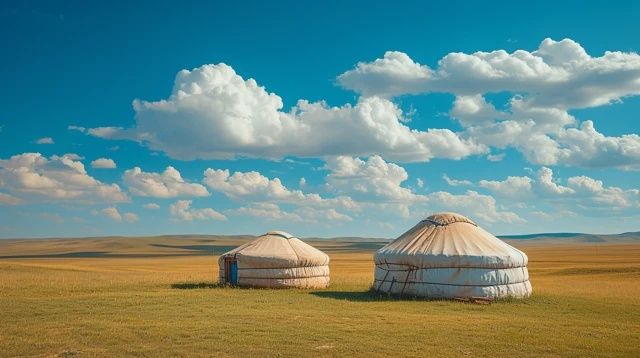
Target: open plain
pixel 158 296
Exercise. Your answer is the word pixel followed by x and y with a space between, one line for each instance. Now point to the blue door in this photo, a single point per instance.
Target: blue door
pixel 233 269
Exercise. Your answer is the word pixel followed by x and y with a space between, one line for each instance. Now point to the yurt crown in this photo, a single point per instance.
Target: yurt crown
pixel 443 219
pixel 282 234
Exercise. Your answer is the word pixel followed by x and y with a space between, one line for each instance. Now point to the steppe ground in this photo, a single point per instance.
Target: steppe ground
pixel 156 297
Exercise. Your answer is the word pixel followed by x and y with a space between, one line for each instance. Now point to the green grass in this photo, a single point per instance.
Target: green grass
pixel 174 307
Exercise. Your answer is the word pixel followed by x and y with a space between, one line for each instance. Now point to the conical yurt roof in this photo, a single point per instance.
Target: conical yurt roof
pixel 447 240
pixel 278 249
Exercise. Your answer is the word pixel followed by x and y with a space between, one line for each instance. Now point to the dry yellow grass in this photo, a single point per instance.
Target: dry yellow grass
pixel 123 301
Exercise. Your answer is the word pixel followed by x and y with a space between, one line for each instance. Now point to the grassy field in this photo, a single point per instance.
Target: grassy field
pixel 156 297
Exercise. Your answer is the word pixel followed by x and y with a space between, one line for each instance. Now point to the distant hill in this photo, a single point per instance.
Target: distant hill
pixel 188 245
pixel 568 237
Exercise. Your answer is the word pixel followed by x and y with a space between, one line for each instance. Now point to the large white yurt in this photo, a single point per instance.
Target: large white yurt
pixel 277 260
pixel 448 256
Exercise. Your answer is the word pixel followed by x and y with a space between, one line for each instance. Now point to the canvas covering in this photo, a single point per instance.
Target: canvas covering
pixel 278 260
pixel 448 256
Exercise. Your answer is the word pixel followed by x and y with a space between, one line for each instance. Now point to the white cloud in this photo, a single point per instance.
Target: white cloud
pixel 511 187
pixel 474 110
pixel 214 113
pixel 182 210
pixel 45 140
pixel 546 83
pixel 370 180
pixel 73 156
pixel 151 206
pixel 580 192
pixel 271 211
pixel 496 157
pixel 547 185
pixel 168 184
pixel 130 217
pixel 77 128
pixel 327 214
pixel 377 186
pixel 264 210
pixel 587 147
pixel 477 206
pixel 394 74
pixel 113 213
pixel 113 133
pixel 559 74
pixel 103 163
pixel 455 182
pixel 420 183
pixel 32 176
pixel 599 195
pixel 253 186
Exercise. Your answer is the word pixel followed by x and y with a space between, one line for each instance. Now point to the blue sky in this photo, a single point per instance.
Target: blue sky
pixel 522 118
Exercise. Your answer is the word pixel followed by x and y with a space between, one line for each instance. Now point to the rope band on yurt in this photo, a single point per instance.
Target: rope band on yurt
pixel 406 278
pixel 385 277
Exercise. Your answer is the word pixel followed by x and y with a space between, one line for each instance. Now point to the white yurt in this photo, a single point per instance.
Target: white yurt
pixel 448 256
pixel 277 260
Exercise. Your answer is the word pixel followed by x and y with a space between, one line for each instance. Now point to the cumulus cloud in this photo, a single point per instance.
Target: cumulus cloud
pixel 130 217
pixel 455 182
pixel 77 128
pixel 394 74
pixel 152 206
pixel 113 213
pixel 182 210
pixel 582 191
pixel 547 185
pixel 103 163
pixel 271 211
pixel 546 84
pixel 496 157
pixel 478 206
pixel 512 187
pixel 558 74
pixel 378 187
pixel 168 184
pixel 45 140
pixel 213 112
pixel 370 180
pixel 253 186
pixel 31 176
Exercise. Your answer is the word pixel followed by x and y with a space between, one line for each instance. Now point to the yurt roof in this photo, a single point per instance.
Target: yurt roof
pixel 282 234
pixel 449 240
pixel 278 249
pixel 448 218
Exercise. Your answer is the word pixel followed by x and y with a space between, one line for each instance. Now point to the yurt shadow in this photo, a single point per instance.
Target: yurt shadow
pixel 219 286
pixel 378 296
pixel 195 285
pixel 367 296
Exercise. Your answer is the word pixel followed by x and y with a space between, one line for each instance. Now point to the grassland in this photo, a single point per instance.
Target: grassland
pixel 156 297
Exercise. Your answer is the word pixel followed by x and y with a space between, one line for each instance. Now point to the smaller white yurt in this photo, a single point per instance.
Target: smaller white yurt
pixel 449 256
pixel 277 260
